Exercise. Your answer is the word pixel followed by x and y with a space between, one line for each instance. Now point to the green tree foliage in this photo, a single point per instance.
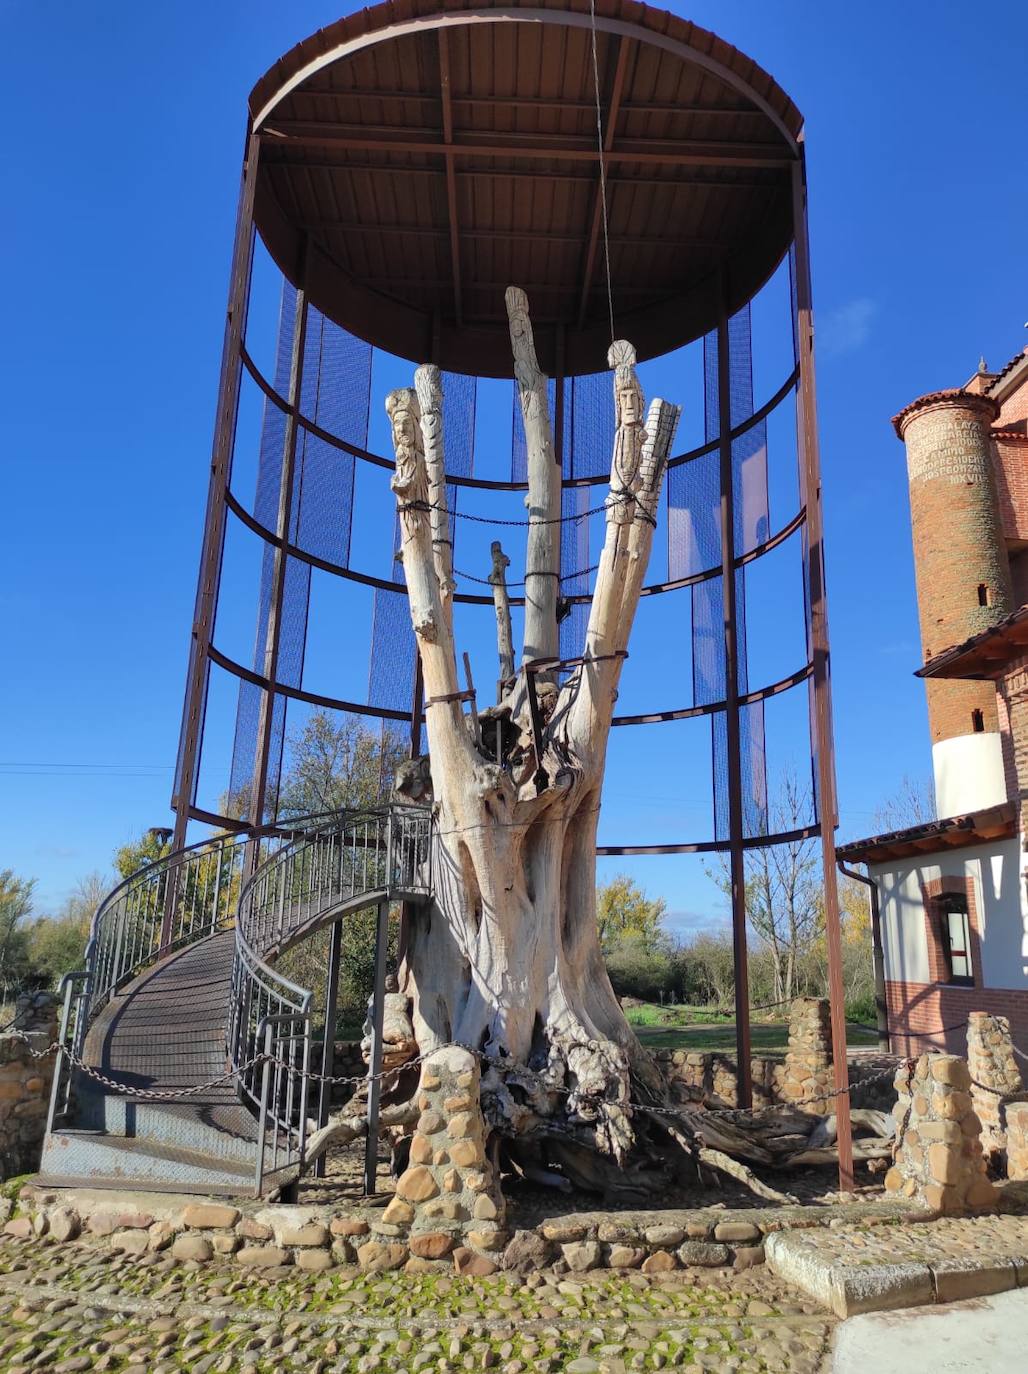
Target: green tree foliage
pixel 625 914
pixel 57 943
pixel 15 907
pixel 152 845
pixel 337 762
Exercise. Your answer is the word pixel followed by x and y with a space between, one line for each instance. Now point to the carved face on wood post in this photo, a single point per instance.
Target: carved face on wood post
pixel 628 442
pixel 409 481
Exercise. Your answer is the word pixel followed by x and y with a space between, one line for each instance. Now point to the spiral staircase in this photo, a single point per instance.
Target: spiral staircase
pixel 185 1053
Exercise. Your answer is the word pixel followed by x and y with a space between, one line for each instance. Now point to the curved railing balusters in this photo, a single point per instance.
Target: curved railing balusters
pixel 302 873
pixel 352 859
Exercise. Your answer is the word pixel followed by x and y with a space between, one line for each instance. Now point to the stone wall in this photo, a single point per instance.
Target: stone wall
pixel 995 1077
pixel 25 1086
pixel 804 1071
pixel 279 1238
pixel 712 1076
pixel 939 1161
pixel 1016 1123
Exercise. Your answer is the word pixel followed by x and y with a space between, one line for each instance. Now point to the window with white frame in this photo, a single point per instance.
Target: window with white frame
pixel 956 937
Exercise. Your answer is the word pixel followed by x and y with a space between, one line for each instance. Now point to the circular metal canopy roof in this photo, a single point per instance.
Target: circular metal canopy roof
pixel 420 157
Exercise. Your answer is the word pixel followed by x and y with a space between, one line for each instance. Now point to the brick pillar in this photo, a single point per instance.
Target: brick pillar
pixel 808 1061
pixel 991 1062
pixel 939 1160
pixel 963 583
pixel 1017 1140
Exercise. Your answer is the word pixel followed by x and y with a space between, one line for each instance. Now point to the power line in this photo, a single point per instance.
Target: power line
pixel 39 764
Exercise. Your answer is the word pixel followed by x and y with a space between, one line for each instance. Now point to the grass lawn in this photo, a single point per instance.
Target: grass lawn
pixel 697 1028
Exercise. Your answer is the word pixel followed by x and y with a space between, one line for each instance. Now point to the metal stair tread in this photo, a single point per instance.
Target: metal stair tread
pixel 154 1149
pixel 166 1029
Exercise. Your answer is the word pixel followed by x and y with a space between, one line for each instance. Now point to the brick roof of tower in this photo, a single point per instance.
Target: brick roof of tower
pixel 972 398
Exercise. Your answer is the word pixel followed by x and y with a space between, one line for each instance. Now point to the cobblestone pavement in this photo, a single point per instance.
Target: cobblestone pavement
pixel 85 1307
pixel 986 1238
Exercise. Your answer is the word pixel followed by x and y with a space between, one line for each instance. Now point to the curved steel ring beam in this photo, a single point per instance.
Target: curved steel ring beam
pixel 564 18
pixel 384 713
pixel 472 598
pixel 486 483
pixel 807 832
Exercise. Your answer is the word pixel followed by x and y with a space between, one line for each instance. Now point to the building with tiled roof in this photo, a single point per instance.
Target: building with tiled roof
pixel 953 894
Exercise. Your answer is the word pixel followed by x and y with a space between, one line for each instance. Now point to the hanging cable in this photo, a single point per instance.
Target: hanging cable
pixel 603 169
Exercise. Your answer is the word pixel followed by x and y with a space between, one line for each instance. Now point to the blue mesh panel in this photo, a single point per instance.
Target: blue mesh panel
pixel 391 678
pixel 265 508
pixel 753 771
pixel 815 789
pixel 334 392
pixel 460 393
pixel 574 563
pixel 694 546
pixel 588 445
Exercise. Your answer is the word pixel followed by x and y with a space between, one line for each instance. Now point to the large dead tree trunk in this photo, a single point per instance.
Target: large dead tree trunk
pixel 506 958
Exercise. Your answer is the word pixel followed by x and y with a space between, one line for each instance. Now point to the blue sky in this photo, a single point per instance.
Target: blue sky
pixel 127 123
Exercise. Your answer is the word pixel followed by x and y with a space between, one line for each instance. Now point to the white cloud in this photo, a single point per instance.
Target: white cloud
pixel 847 327
pixel 685 923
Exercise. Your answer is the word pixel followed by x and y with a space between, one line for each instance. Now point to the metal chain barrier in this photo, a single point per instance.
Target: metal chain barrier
pixel 490 1061
pixel 164 1094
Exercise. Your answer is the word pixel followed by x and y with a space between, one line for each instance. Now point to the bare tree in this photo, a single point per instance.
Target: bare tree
pixel 913 804
pixel 784 892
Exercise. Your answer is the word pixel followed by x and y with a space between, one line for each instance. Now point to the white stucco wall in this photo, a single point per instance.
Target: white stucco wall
pixel 968 774
pixel 999 898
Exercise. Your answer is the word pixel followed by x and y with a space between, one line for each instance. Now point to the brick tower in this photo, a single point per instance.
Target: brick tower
pixel 963 582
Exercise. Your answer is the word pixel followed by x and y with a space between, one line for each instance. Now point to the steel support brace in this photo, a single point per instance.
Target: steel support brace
pixel 736 857
pixel 273 634
pixel 821 692
pixel 214 526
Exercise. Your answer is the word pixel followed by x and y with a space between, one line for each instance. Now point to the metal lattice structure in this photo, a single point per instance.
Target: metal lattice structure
pixel 401 168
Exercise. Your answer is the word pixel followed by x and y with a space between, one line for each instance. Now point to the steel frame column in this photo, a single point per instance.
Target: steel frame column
pixel 214 524
pixel 375 1061
pixel 737 866
pixel 273 631
pixel 335 957
pixel 821 741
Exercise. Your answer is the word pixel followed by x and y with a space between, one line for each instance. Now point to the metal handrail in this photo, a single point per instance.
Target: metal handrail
pixel 172 902
pixel 177 899
pixel 303 874
pixel 350 860
pixel 61 1083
